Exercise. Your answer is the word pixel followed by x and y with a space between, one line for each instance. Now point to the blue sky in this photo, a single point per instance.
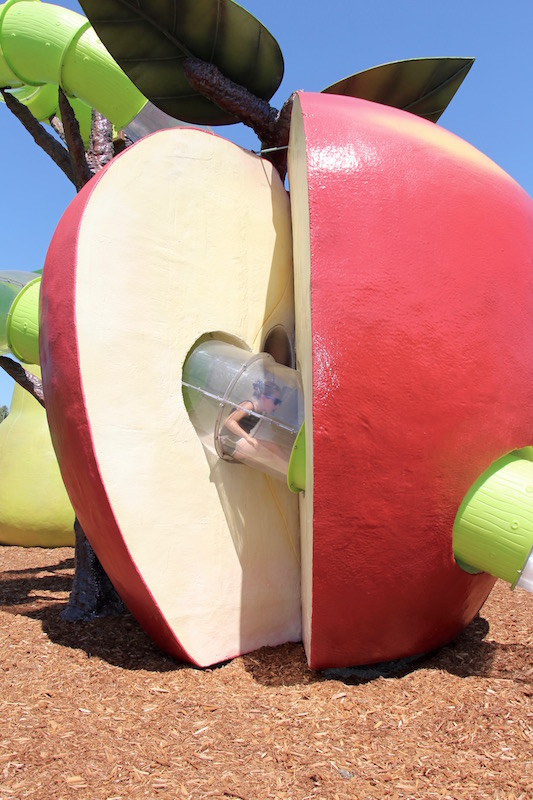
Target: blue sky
pixel 321 43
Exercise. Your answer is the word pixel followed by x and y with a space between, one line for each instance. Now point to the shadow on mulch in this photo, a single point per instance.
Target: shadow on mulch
pixel 469 655
pixel 41 593
pixel 27 589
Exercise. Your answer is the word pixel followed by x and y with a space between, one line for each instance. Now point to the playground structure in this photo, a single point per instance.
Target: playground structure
pixel 45 46
pixel 204 552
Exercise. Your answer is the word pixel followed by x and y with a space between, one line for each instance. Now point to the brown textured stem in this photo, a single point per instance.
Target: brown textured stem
pixel 283 122
pixel 71 129
pixel 45 140
pixel 120 143
pixel 101 149
pixel 32 384
pixel 270 125
pixel 57 126
pixel 229 96
pixel 278 155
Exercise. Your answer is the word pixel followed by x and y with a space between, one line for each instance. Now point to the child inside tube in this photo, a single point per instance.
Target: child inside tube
pixel 241 445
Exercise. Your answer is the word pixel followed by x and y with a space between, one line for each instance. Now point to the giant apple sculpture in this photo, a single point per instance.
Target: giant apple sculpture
pixel 412 257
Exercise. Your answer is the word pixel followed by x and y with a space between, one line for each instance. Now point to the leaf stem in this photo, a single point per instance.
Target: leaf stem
pixel 270 125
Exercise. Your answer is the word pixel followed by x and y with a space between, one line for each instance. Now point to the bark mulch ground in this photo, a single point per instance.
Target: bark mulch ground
pixel 95 711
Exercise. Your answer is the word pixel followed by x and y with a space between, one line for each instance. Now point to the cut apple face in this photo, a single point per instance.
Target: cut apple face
pixel 181 238
pixel 413 296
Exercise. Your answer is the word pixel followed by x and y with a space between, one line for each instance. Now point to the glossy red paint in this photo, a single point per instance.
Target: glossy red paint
pixel 422 368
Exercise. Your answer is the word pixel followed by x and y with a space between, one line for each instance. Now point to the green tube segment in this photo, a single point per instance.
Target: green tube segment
pixel 11 283
pixel 43 45
pixel 493 530
pixel 43 103
pixel 22 327
pixel 296 471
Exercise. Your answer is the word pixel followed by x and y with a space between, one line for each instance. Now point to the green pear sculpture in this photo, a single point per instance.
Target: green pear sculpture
pixel 35 510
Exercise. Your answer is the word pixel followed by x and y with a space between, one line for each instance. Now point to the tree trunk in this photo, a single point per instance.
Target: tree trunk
pixel 92 594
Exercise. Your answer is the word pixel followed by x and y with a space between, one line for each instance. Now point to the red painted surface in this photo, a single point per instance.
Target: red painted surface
pixel 71 428
pixel 421 304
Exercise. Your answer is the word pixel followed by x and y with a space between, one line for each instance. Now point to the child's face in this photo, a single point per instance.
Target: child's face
pixel 270 402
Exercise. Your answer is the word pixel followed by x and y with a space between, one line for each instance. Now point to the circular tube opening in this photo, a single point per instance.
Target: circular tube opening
pixel 245 407
pixel 278 344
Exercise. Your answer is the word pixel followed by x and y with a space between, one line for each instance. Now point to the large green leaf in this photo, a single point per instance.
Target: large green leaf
pixel 423 86
pixel 150 40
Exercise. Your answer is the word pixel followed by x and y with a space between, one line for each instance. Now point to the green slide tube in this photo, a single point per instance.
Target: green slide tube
pixel 296 471
pixel 12 284
pixel 22 327
pixel 44 45
pixel 493 529
pixel 43 103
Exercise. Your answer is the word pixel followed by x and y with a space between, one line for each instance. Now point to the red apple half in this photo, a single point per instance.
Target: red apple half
pixel 414 297
pixel 182 235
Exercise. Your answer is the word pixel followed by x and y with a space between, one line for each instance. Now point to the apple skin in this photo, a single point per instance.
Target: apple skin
pixel 414 291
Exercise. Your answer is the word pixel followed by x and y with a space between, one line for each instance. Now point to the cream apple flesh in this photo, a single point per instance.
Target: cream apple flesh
pixel 413 296
pixel 182 235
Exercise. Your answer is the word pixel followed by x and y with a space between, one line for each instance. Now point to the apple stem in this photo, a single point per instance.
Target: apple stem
pixel 278 147
pixel 258 114
pixel 270 125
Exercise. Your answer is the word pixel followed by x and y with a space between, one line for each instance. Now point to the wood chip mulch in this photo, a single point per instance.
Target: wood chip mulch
pixel 95 711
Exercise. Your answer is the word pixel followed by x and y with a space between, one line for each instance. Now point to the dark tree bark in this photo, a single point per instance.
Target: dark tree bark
pixel 229 96
pixel 101 145
pixel 92 594
pixel 45 140
pixel 76 148
pixel 271 125
pixel 24 378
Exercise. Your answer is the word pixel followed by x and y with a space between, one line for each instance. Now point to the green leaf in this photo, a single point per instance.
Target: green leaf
pixel 423 86
pixel 150 40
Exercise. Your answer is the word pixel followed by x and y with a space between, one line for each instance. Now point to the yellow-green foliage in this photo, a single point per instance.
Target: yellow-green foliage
pixel 34 506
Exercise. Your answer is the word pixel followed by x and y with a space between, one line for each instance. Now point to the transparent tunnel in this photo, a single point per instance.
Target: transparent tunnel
pixel 246 408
